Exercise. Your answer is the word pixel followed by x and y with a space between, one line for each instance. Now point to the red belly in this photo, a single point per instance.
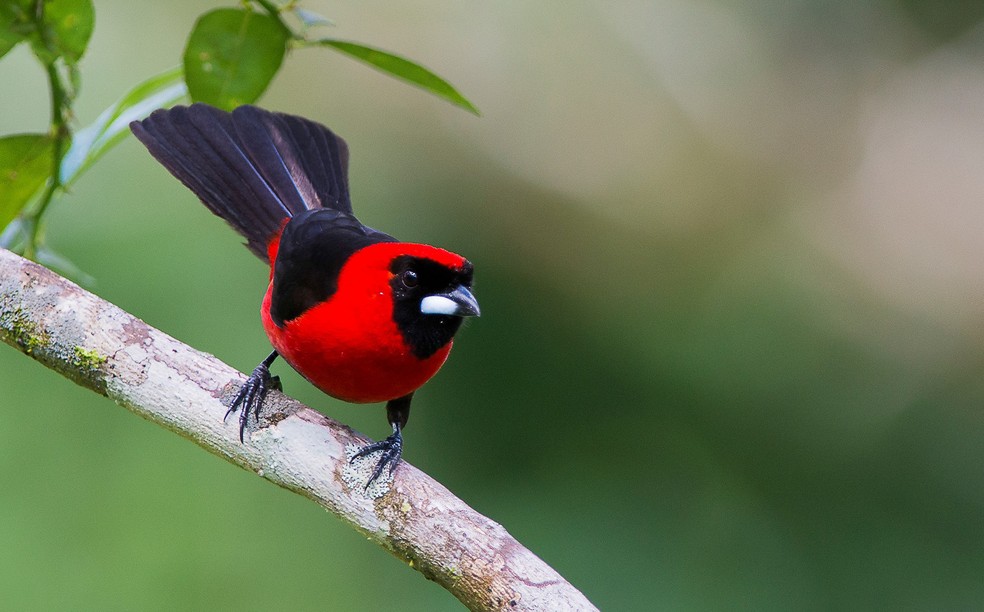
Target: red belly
pixel 356 354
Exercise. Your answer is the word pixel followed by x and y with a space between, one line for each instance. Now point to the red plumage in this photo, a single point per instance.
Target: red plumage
pixel 349 346
pixel 363 317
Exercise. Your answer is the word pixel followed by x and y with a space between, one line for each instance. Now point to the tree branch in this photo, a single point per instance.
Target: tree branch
pixel 115 354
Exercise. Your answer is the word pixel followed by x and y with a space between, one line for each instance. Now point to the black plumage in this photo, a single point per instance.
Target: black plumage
pixel 255 169
pixel 252 167
pixel 282 178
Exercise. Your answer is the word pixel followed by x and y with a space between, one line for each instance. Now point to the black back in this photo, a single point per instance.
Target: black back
pixel 313 248
pixel 255 169
pixel 252 167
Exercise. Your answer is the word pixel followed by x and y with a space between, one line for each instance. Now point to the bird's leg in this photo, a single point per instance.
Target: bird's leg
pixel 397 412
pixel 254 390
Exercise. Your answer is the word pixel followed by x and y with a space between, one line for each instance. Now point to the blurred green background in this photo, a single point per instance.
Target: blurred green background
pixel 731 268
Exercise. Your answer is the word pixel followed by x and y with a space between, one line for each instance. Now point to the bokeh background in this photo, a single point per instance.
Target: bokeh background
pixel 730 257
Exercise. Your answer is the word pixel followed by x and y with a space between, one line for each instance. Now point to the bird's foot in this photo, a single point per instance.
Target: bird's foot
pixel 392 450
pixel 252 393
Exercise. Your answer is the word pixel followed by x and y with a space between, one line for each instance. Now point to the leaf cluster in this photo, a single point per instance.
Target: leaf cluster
pixel 231 57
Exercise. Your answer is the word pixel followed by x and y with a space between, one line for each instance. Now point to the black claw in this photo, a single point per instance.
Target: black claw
pixel 252 393
pixel 392 448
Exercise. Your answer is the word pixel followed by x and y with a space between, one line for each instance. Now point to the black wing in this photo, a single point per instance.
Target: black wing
pixel 251 167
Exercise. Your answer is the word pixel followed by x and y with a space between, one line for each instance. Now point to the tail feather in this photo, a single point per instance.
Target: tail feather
pixel 297 156
pixel 251 167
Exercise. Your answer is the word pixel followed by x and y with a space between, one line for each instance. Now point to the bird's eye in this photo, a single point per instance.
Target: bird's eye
pixel 410 279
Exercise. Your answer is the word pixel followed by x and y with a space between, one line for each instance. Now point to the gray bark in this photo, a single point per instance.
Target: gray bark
pixel 115 354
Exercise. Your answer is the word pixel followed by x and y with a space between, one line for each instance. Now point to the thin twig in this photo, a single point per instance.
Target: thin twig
pixel 62 96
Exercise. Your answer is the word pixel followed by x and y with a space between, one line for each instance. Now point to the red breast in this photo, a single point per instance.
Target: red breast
pixel 350 346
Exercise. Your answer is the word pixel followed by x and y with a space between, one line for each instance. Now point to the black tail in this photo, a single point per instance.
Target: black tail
pixel 251 167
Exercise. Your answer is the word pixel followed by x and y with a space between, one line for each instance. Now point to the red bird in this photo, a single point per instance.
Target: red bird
pixel 362 316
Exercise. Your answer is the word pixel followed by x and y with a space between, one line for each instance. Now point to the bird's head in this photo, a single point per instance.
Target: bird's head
pixel 424 290
pixel 431 290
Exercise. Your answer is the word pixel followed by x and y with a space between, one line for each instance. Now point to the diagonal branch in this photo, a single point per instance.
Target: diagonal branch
pixel 115 354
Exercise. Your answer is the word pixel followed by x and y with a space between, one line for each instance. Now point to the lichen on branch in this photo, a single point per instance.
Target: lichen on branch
pixel 105 349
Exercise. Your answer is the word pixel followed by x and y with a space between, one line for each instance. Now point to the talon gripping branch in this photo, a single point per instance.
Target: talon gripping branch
pixel 364 317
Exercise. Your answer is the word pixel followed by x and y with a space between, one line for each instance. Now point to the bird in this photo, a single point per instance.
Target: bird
pixel 362 316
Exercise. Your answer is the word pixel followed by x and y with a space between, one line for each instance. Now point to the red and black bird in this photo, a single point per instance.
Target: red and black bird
pixel 364 317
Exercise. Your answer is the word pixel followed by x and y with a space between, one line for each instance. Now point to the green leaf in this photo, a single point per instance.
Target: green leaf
pixel 25 166
pixel 16 23
pixel 232 55
pixel 92 141
pixel 8 40
pixel 403 69
pixel 72 22
pixel 67 26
